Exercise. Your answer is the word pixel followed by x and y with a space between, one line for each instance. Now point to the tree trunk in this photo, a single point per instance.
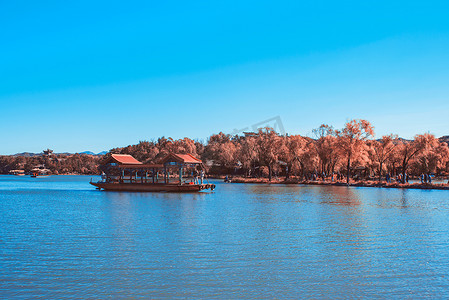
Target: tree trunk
pixel 404 169
pixel 349 170
pixel 403 174
pixel 380 172
pixel 269 172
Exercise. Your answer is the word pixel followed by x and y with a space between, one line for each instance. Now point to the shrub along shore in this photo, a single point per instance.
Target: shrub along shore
pixel 422 186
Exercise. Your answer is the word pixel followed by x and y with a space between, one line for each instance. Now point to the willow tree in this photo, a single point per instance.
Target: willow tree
pixel 434 159
pixel 409 150
pixel 325 147
pixel 382 150
pixel 223 149
pixel 293 150
pixel 351 140
pixel 248 153
pixel 269 145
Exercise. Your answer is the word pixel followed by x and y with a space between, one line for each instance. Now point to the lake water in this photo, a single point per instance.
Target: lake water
pixel 59 237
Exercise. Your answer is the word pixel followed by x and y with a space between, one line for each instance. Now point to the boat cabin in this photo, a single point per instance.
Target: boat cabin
pixel 173 168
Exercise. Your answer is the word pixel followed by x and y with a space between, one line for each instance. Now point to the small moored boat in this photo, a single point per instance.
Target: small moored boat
pixel 17 172
pixel 40 171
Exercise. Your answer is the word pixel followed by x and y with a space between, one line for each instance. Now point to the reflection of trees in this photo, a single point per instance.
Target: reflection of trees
pixel 339 195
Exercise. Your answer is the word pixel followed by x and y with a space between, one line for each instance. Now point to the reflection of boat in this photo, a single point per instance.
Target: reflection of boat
pixel 40 171
pixel 123 172
pixel 34 175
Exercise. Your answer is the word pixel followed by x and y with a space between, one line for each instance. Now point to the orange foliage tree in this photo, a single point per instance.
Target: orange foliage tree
pixel 351 140
pixel 409 150
pixel 382 150
pixel 269 145
pixel 326 148
pixel 294 148
pixel 222 149
pixel 433 158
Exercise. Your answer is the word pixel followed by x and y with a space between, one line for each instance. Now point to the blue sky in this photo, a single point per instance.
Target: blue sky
pixel 78 75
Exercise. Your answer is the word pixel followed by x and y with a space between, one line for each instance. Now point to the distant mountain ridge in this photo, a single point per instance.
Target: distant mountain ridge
pixel 92 153
pixel 444 139
pixel 28 154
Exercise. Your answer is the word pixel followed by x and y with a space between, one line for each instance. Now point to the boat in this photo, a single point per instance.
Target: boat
pixel 40 171
pixel 17 172
pixel 174 173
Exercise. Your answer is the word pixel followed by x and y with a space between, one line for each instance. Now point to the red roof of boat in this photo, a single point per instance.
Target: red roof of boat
pixel 183 158
pixel 125 159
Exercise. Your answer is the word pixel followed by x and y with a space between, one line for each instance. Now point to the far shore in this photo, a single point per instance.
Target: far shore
pixel 422 186
pixel 65 174
pixel 292 181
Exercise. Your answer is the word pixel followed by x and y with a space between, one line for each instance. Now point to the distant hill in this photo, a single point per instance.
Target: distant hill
pixel 29 154
pixel 444 139
pixel 88 153
pixel 92 153
pixel 441 139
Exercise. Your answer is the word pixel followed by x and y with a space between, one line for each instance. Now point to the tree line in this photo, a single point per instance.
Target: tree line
pixel 351 151
pixel 56 163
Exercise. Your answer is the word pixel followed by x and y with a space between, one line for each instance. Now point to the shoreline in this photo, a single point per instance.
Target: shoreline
pixel 421 186
pixel 374 184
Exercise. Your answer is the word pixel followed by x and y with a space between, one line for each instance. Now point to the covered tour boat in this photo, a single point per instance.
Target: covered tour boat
pixel 40 171
pixel 174 173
